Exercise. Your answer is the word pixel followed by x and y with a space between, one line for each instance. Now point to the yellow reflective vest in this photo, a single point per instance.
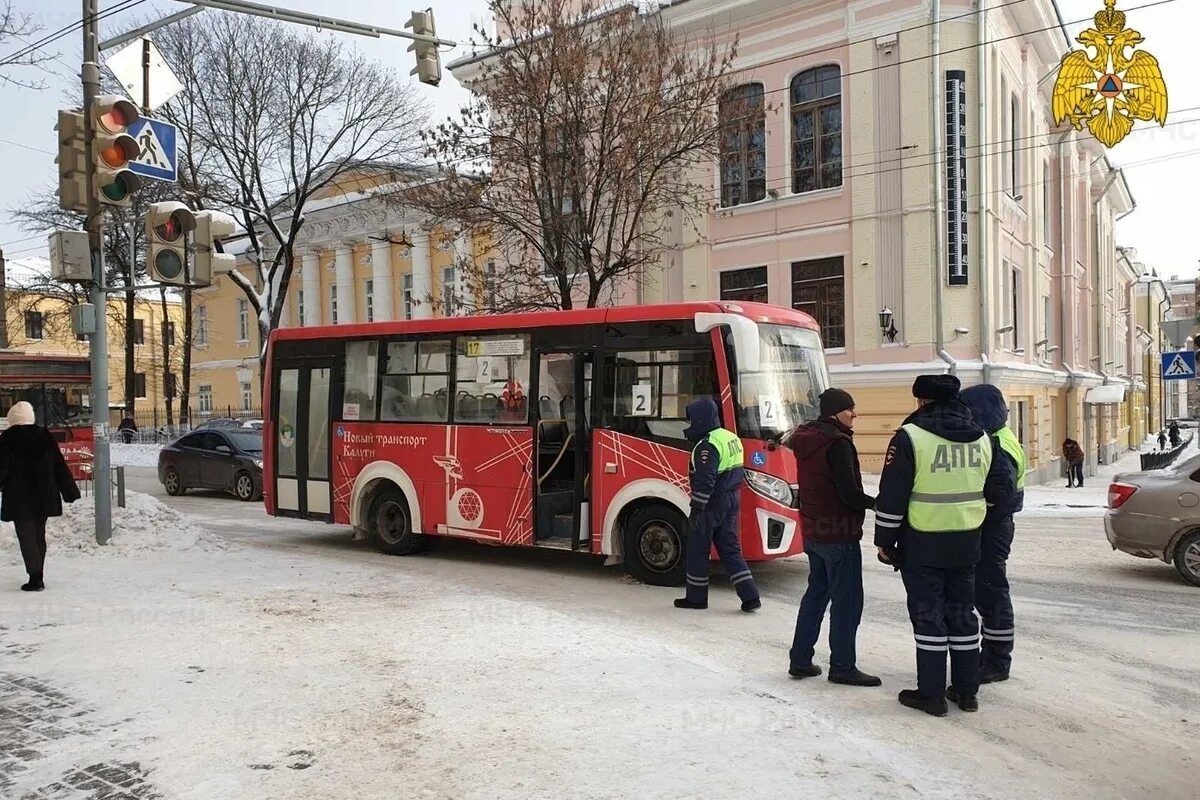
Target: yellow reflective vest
pixel 1008 440
pixel 948 482
pixel 730 454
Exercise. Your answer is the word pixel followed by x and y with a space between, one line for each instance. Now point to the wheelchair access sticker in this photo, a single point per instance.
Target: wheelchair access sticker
pixel 759 458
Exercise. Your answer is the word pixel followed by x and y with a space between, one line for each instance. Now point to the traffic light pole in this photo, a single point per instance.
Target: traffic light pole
pixel 95 228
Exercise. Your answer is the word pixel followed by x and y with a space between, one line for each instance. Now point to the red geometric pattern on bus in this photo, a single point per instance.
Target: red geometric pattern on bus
pixel 471 481
pixel 635 459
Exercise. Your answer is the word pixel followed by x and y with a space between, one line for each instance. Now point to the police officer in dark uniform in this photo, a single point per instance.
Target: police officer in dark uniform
pixel 939 476
pixel 717 474
pixel 992 598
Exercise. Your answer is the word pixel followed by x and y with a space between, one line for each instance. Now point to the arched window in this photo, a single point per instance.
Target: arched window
pixel 816 102
pixel 743 145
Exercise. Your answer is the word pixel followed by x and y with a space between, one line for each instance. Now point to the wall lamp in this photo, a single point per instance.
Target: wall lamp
pixel 887 324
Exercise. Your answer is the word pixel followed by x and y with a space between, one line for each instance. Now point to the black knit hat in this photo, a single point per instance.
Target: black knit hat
pixel 938 388
pixel 835 401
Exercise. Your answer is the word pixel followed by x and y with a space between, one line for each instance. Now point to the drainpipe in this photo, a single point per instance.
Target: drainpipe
pixel 985 203
pixel 939 186
pixel 1072 377
pixel 1096 288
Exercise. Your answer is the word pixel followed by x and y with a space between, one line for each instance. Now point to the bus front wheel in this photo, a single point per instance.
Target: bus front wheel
pixel 655 542
pixel 391 524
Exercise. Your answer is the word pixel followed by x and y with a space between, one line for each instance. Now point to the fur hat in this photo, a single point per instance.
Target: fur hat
pixel 938 388
pixel 21 414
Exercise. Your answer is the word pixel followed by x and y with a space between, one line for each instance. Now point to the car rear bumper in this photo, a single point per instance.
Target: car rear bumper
pixel 1138 534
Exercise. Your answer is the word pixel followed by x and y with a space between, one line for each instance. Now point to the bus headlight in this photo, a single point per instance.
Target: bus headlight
pixel 770 487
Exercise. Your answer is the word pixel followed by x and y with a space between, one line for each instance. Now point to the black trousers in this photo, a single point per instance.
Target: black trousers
pixel 31 533
pixel 941 605
pixel 992 598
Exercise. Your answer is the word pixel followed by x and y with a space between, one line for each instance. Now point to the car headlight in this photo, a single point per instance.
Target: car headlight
pixel 769 486
pixel 258 463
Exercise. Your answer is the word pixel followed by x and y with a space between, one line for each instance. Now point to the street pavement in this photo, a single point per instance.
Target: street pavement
pixel 295 662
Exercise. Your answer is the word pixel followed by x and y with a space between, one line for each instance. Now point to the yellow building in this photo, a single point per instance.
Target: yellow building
pixel 39 324
pixel 358 259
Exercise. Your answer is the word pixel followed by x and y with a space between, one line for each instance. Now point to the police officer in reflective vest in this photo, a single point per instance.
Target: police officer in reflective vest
pixel 939 476
pixel 992 600
pixel 717 475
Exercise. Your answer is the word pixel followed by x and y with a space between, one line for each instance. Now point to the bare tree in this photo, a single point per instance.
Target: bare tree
pixel 274 117
pixel 23 53
pixel 591 125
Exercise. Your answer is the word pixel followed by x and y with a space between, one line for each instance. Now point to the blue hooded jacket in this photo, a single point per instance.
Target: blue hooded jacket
pixel 990 410
pixel 711 491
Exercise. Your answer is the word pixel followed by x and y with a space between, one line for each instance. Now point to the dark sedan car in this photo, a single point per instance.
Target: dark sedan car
pixel 229 460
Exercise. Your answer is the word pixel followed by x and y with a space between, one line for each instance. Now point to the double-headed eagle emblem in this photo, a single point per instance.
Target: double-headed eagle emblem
pixel 1102 88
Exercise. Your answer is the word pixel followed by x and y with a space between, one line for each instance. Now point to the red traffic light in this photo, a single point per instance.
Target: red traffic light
pixel 171 229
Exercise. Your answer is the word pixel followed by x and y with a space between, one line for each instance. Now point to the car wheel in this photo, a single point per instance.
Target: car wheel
pixel 173 483
pixel 243 487
pixel 1187 558
pixel 390 524
pixel 655 545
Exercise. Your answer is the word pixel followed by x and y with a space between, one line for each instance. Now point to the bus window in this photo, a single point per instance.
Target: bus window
pixel 358 402
pixel 416 382
pixel 647 393
pixel 491 379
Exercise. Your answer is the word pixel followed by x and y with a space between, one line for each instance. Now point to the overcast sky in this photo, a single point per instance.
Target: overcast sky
pixel 1163 166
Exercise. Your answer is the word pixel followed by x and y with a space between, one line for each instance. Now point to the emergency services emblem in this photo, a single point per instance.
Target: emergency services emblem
pixel 891 456
pixel 1102 88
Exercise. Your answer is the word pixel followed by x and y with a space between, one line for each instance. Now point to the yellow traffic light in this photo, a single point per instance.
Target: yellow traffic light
pixel 429 63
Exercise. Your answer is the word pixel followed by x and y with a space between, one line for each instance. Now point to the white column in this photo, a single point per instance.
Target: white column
pixel 381 279
pixel 310 270
pixel 422 272
pixel 311 267
pixel 344 265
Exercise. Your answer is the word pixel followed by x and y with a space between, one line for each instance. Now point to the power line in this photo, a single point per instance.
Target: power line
pixel 27 147
pixel 124 5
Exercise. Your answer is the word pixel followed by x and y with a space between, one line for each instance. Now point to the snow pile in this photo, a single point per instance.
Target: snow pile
pixel 144 524
pixel 133 455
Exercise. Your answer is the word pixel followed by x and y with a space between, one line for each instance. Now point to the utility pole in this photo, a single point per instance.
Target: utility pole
pixel 95 229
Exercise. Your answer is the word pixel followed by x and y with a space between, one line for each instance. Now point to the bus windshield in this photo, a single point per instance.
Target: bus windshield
pixel 783 394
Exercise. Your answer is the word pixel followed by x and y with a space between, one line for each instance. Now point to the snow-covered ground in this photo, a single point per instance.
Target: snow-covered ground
pixel 134 455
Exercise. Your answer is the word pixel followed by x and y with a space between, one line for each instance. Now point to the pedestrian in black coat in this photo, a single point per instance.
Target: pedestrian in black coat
pixel 35 480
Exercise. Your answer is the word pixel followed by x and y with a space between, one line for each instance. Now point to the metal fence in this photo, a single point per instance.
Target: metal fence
pixel 153 428
pixel 1160 459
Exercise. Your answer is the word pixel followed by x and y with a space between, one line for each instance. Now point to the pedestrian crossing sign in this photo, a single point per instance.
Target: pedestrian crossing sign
pixel 1179 366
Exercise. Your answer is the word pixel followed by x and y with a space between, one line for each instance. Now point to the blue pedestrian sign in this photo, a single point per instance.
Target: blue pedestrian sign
pixel 159 157
pixel 1179 366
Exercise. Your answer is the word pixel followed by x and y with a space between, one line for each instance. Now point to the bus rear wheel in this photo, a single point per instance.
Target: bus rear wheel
pixel 655 545
pixel 390 524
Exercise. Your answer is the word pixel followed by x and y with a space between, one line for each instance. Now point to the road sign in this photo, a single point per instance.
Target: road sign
pixel 127 64
pixel 159 157
pixel 1179 366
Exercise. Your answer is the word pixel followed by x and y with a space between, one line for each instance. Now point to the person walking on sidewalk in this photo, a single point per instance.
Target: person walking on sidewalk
pixel 832 507
pixel 1073 455
pixel 716 475
pixel 939 475
pixel 35 480
pixel 992 598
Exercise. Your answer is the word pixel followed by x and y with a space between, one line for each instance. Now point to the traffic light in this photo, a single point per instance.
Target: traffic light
pixel 113 148
pixel 429 63
pixel 72 166
pixel 211 226
pixel 167 227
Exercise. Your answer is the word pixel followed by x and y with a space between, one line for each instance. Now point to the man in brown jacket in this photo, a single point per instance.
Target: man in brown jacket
pixel 1073 455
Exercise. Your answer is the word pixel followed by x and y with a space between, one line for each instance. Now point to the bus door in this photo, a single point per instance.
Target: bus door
pixel 563 448
pixel 304 391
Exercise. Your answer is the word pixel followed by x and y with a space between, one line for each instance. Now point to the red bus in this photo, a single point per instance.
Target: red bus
pixel 553 429
pixel 56 387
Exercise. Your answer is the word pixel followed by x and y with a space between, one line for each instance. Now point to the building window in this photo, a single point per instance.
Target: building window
pixel 333 315
pixel 1047 203
pixel 489 287
pixel 743 145
pixel 300 306
pixel 139 331
pixel 816 100
pixel 747 285
pixel 247 396
pixel 139 384
pixel 449 291
pixel 1014 135
pixel 369 294
pixel 408 296
pixel 202 326
pixel 819 290
pixel 243 313
pixel 35 322
pixel 1015 310
pixel 204 399
pixel 168 333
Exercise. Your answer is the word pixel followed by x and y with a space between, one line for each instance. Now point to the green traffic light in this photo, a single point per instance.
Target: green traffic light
pixel 115 191
pixel 168 264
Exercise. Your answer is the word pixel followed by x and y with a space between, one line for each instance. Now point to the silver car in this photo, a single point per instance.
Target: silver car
pixel 1156 514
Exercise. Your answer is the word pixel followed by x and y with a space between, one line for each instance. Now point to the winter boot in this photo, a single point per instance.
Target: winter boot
pixel 992 675
pixel 751 605
pixel 683 602
pixel 34 585
pixel 854 677
pixel 934 706
pixel 965 703
pixel 804 671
